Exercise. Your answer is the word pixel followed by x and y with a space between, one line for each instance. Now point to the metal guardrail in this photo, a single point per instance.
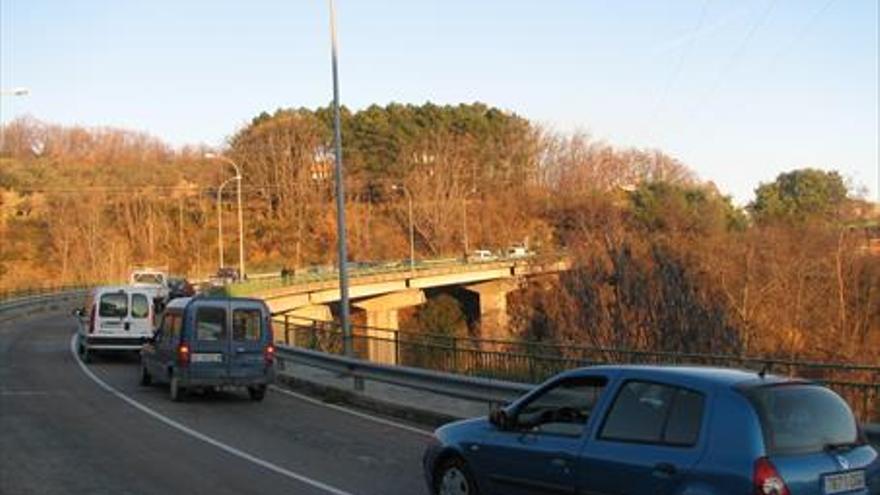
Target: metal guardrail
pixel 529 362
pixel 447 384
pixel 33 301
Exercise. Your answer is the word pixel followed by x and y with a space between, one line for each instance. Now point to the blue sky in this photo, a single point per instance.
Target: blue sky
pixel 738 90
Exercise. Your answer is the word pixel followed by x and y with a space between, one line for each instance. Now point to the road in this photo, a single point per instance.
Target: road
pixel 66 428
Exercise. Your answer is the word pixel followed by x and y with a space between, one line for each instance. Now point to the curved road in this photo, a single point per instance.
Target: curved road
pixel 66 428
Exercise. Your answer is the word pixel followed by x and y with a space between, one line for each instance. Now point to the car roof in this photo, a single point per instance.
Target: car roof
pixel 709 376
pixel 119 288
pixel 183 302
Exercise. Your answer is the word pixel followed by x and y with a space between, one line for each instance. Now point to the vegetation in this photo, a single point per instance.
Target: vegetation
pixel 662 260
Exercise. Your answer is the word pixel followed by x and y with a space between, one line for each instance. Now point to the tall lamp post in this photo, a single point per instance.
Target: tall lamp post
pixel 220 220
pixel 464 227
pixel 412 231
pixel 340 193
pixel 237 178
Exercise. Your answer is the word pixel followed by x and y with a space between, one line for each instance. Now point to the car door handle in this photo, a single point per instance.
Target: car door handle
pixel 664 470
pixel 559 462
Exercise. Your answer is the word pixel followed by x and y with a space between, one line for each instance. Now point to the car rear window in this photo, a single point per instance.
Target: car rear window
pixel 114 305
pixel 800 419
pixel 210 323
pixel 247 324
pixel 140 306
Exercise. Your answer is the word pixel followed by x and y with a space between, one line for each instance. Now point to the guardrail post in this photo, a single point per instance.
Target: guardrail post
pixel 287 330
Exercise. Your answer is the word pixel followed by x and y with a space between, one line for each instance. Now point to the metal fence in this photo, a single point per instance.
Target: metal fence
pixel 533 362
pixel 6 295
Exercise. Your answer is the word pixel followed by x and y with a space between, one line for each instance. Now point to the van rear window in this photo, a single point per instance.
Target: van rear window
pixel 210 323
pixel 114 305
pixel 140 306
pixel 801 419
pixel 148 278
pixel 247 324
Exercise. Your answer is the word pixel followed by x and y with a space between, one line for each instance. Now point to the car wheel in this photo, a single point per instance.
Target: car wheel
pixel 453 478
pixel 146 378
pixel 257 393
pixel 175 390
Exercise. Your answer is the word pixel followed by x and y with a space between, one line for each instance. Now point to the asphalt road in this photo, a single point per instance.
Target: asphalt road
pixel 64 431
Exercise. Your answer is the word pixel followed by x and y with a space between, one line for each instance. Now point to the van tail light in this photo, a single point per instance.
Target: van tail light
pixel 767 480
pixel 269 354
pixel 92 320
pixel 183 354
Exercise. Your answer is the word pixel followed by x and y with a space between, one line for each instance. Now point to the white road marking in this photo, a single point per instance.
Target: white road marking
pixel 359 414
pixel 201 436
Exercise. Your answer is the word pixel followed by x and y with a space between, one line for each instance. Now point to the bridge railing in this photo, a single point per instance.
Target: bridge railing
pixel 533 362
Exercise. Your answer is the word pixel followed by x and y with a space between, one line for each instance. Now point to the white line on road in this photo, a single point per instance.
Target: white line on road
pixel 201 436
pixel 359 414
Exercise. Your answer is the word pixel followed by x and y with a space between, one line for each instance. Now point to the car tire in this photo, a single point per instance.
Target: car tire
pixel 146 378
pixel 257 393
pixel 453 477
pixel 176 391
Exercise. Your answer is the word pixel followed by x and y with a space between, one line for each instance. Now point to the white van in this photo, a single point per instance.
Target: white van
pixel 156 281
pixel 115 318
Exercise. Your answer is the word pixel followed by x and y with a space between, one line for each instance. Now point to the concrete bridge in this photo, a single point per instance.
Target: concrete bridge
pixel 382 295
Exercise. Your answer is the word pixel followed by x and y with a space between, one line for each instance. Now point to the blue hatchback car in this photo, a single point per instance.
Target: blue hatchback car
pixel 652 430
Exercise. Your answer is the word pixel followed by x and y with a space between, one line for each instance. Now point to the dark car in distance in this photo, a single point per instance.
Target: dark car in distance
pixel 210 343
pixel 660 431
pixel 180 287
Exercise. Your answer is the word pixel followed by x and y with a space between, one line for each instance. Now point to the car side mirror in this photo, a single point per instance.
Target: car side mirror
pixel 500 418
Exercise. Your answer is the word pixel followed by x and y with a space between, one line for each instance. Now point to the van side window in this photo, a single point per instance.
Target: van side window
pixel 114 305
pixel 246 324
pixel 210 323
pixel 140 306
pixel 176 325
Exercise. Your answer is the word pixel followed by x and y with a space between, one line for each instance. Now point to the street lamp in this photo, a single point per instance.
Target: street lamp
pixel 464 227
pixel 340 193
pixel 237 178
pixel 412 234
pixel 220 220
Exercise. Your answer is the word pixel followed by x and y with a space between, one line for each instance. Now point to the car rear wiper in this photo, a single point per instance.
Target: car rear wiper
pixel 839 446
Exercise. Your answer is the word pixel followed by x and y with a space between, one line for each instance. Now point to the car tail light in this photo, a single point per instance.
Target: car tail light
pixel 183 353
pixel 269 353
pixel 767 480
pixel 92 321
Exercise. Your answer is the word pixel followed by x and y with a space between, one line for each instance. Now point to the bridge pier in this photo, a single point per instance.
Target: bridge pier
pixel 493 307
pixel 382 322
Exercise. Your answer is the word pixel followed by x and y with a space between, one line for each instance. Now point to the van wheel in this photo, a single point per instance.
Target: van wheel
pixel 257 393
pixel 146 378
pixel 175 390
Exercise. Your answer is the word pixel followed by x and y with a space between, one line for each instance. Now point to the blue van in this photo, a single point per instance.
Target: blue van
pixel 210 343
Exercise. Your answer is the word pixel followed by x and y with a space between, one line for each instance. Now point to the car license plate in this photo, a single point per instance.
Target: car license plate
pixel 844 482
pixel 207 358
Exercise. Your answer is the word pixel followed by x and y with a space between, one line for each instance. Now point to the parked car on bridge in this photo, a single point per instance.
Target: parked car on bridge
pixel 114 318
pixel 659 430
pixel 480 255
pixel 211 343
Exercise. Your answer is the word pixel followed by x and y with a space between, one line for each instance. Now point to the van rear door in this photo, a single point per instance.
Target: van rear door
pixel 112 312
pixel 208 340
pixel 140 322
pixel 248 340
